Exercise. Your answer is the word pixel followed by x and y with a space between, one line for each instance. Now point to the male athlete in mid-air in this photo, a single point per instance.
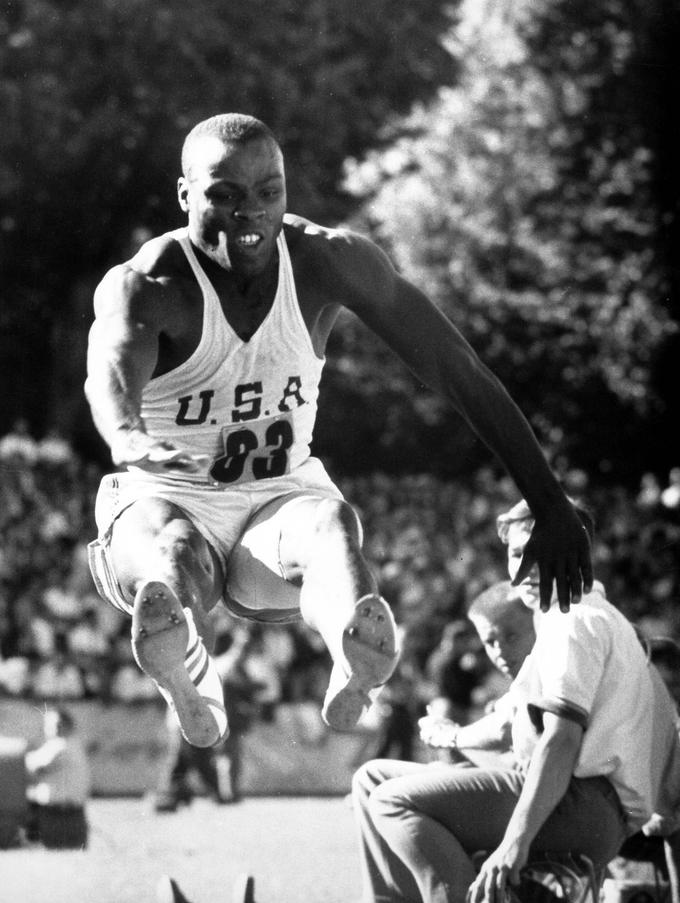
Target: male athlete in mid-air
pixel 204 363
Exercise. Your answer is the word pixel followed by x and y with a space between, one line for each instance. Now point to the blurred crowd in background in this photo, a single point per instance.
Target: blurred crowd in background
pixel 432 543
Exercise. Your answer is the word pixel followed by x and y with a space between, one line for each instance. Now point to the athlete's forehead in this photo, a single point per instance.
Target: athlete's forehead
pixel 237 162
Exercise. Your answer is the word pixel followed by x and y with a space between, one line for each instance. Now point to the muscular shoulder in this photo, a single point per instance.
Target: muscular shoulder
pixel 161 258
pixel 343 264
pixel 144 285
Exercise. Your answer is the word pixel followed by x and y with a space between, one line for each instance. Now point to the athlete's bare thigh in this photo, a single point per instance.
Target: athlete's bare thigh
pixel 144 533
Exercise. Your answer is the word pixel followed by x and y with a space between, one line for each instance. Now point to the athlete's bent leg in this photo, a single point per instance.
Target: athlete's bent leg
pixel 172 577
pixel 320 545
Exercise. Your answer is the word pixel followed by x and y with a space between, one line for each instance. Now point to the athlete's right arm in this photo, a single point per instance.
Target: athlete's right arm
pixel 121 358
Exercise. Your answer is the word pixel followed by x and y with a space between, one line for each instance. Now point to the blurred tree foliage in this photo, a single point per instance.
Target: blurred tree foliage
pixel 533 202
pixel 97 96
pixel 536 200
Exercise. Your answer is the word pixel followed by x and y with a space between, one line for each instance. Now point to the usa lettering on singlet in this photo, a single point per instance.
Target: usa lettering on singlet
pixel 250 406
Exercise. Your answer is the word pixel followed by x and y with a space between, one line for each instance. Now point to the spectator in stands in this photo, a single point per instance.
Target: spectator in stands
pixel 187 762
pixel 506 628
pixel 308 671
pixel 670 497
pixel 128 683
pixel 397 718
pixel 664 652
pixel 58 678
pixel 59 784
pixel 61 604
pixel 585 727
pixel 456 667
pixel 89 649
pixel 241 695
pixel 37 629
pixel 15 679
pixel 19 445
pixel 47 492
pixel 649 495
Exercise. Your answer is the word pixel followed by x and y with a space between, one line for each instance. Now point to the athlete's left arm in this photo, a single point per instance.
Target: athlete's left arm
pixel 438 354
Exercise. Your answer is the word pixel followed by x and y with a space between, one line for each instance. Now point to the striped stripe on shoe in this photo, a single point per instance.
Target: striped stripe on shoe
pixel 204 675
pixel 167 647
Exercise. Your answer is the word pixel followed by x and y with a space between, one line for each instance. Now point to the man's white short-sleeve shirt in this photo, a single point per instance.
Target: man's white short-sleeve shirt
pixel 588 665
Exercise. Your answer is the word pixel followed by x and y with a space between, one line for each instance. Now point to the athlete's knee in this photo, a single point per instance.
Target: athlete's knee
pixel 179 540
pixel 157 529
pixel 335 516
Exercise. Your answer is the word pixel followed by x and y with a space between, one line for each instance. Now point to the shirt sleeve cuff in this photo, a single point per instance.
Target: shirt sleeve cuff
pixel 559 707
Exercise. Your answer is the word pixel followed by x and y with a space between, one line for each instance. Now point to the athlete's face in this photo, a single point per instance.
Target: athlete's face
pixel 235 197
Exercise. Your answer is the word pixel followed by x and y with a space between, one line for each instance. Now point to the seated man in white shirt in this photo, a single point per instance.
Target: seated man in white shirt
pixel 506 628
pixel 585 727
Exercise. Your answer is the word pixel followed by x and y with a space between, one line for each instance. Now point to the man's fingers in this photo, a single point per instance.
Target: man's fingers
pixel 563 592
pixel 586 570
pixel 474 890
pixel 157 454
pixel 545 587
pixel 184 463
pixel 486 887
pixel 176 459
pixel 501 885
pixel 575 581
pixel 585 563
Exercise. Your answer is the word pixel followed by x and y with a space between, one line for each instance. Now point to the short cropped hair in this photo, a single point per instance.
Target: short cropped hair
pixel 501 595
pixel 238 128
pixel 522 512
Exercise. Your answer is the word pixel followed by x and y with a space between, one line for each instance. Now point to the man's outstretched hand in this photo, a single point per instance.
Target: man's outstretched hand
pixel 560 546
pixel 136 449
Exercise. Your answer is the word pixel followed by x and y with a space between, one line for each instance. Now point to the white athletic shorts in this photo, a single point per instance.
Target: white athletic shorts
pixel 256 585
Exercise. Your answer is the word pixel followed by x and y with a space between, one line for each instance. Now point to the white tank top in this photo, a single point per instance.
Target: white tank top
pixel 250 406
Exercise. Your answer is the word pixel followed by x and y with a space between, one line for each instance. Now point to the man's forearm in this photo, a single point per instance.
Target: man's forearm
pixel 121 359
pixel 489 732
pixel 112 412
pixel 548 776
pixel 501 425
pixel 115 380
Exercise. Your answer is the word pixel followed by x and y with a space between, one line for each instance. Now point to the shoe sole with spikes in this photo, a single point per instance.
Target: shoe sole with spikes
pixel 369 643
pixel 160 634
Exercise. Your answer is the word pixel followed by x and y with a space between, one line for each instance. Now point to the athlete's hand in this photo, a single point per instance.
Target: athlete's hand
pixel 137 449
pixel 560 546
